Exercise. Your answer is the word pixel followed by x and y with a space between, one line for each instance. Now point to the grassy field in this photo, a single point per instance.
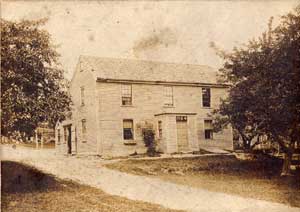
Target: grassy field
pixel 25 189
pixel 255 179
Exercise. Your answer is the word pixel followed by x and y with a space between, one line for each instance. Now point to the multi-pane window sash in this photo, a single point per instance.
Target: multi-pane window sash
pixel 181 118
pixel 208 129
pixel 128 129
pixel 206 97
pixel 126 95
pixel 169 96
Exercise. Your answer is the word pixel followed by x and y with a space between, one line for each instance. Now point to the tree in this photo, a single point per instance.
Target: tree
pixel 264 96
pixel 33 89
pixel 236 111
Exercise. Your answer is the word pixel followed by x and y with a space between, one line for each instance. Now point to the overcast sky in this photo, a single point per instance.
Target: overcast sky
pixel 178 31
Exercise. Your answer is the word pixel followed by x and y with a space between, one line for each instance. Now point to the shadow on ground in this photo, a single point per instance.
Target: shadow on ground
pixel 26 189
pixel 18 178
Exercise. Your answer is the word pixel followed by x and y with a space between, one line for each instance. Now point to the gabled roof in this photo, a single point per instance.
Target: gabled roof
pixel 141 70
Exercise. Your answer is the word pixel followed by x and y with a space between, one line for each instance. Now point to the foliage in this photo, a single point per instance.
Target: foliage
pixel 149 138
pixel 264 78
pixel 235 110
pixel 33 89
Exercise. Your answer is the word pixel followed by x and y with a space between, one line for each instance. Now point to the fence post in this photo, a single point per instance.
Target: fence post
pixel 36 140
pixel 76 139
pixel 42 142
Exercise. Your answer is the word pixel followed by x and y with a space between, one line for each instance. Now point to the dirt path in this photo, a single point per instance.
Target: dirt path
pixel 26 189
pixel 90 171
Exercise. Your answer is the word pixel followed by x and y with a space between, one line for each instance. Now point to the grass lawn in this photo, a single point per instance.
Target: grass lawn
pixel 255 179
pixel 26 189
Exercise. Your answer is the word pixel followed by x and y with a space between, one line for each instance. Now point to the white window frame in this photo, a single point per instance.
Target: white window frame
pixel 132 129
pixel 210 129
pixel 168 95
pixel 204 97
pixel 126 92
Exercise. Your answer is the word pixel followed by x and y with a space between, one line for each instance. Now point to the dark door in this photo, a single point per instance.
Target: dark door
pixel 69 129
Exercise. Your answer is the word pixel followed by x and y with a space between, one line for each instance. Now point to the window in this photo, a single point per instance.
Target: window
pixel 82 95
pixel 206 97
pixel 83 126
pixel 160 129
pixel 169 96
pixel 58 136
pixel 126 95
pixel 208 129
pixel 128 129
pixel 181 118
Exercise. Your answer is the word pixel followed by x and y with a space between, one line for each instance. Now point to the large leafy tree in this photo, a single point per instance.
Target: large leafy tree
pixel 33 89
pixel 264 97
pixel 236 111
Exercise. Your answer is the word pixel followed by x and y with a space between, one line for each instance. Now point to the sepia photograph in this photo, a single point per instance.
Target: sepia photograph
pixel 150 106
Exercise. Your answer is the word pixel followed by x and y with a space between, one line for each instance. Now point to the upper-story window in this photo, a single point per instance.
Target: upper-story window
pixel 82 95
pixel 126 94
pixel 169 96
pixel 206 97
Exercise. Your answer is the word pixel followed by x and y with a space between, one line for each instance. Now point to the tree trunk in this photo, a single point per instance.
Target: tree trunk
pixel 247 145
pixel 246 142
pixel 287 161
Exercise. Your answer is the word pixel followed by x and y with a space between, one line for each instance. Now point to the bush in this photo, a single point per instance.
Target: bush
pixel 149 140
pixel 148 137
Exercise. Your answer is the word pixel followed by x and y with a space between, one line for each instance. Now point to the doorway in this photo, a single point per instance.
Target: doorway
pixel 182 133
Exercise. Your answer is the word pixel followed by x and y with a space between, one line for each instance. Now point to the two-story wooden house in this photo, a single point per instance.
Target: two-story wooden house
pixel 112 97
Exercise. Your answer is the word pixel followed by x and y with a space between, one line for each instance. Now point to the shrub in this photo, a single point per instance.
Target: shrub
pixel 149 138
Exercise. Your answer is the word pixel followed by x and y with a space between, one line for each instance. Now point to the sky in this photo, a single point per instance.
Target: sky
pixel 169 31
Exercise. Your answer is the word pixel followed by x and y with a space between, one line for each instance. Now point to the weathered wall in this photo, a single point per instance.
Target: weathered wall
pixel 147 101
pixel 85 143
pixel 222 138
